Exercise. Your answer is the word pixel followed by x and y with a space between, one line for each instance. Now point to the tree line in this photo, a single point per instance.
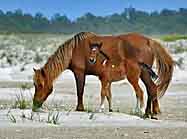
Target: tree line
pixel 130 20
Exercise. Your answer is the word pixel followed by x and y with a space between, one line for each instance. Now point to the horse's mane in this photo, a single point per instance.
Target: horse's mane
pixel 60 60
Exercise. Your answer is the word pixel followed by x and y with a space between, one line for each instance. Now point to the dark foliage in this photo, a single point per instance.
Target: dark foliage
pixel 130 20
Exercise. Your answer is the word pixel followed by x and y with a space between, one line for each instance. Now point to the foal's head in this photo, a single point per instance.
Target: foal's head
pixel 94 50
pixel 43 88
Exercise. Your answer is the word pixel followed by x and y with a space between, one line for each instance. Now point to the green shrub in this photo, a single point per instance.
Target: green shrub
pixel 179 49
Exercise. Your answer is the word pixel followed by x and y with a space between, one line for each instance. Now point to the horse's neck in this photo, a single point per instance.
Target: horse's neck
pixel 57 63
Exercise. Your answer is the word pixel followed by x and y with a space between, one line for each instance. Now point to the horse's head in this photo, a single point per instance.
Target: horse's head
pixel 94 50
pixel 43 88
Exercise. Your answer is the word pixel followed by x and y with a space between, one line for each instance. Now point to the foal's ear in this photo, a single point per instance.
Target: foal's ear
pixel 100 44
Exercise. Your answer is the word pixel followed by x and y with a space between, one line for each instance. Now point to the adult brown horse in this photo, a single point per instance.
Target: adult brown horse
pixel 142 51
pixel 74 54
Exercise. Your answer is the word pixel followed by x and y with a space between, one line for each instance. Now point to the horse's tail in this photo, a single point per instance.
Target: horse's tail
pixel 164 66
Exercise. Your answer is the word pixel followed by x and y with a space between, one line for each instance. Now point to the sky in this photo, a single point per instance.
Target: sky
pixel 76 8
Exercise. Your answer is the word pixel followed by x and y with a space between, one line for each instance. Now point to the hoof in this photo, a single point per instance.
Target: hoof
pixel 156 112
pixel 80 108
pixel 101 110
pixel 138 112
pixel 150 116
pixel 147 116
pixel 154 117
pixel 110 110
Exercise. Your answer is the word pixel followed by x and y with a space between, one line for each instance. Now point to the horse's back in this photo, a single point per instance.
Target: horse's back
pixel 135 38
pixel 138 47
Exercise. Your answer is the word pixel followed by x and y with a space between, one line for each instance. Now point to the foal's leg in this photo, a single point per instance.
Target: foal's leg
pixel 133 77
pixel 109 97
pixel 105 87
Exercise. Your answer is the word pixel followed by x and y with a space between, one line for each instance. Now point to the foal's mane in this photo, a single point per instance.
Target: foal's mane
pixel 61 58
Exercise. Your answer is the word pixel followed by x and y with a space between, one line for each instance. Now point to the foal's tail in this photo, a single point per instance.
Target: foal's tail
pixel 164 65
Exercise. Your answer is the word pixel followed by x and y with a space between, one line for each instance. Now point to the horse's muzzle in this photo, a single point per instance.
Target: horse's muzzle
pixel 36 105
pixel 92 60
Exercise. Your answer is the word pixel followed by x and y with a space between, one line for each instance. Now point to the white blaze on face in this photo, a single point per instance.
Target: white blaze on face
pixel 94 49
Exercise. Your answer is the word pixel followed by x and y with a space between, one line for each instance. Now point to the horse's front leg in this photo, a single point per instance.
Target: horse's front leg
pixel 80 82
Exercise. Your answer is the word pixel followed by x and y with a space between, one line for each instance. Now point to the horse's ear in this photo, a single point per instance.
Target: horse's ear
pixel 43 72
pixel 34 70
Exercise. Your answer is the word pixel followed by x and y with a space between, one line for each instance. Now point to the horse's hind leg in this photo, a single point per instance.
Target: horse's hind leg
pixel 145 78
pixel 156 107
pixel 151 92
pixel 133 77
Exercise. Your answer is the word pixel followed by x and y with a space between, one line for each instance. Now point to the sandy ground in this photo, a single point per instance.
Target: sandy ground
pixel 121 123
pixel 57 132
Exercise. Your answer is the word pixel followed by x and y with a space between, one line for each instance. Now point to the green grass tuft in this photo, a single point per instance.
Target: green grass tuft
pixel 53 118
pixel 21 102
pixel 170 38
pixel 26 86
pixel 11 117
